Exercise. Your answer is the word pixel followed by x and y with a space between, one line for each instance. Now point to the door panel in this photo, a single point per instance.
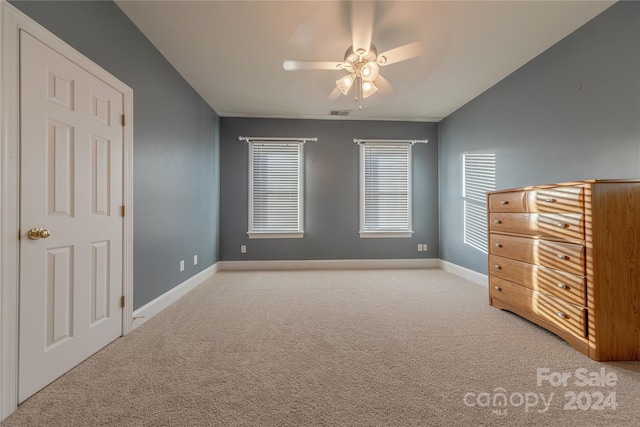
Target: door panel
pixel 71 179
pixel 58 316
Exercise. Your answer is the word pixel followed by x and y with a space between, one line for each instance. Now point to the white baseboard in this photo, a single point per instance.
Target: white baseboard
pixel 147 311
pixel 465 273
pixel 329 264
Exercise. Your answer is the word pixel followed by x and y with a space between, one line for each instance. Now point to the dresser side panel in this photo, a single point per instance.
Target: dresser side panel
pixel 614 288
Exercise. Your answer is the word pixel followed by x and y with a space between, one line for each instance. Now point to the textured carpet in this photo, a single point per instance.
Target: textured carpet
pixel 336 348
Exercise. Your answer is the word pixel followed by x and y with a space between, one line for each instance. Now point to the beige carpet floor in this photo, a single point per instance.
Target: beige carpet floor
pixel 336 348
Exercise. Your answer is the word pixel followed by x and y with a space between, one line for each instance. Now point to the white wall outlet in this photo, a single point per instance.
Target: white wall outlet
pixel 182 265
pixel 424 247
pixel 419 247
pixel 243 249
pixel 195 260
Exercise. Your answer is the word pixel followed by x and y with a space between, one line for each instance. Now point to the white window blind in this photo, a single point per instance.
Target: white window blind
pixel 479 177
pixel 385 190
pixel 275 190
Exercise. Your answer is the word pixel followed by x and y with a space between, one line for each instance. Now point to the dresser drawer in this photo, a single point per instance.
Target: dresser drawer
pixel 562 314
pixel 569 257
pixel 569 287
pixel 514 201
pixel 557 199
pixel 565 226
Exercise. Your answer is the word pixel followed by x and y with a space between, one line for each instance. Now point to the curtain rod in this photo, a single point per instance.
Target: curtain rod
pixel 393 141
pixel 270 138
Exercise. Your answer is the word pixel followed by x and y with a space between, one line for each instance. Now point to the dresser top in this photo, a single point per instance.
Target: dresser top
pixel 570 184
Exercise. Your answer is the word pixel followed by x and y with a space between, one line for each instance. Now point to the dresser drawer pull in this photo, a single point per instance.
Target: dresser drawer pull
pixel 497 267
pixel 561 225
pixel 550 200
pixel 497 288
pixel 497 221
pixel 562 286
pixel 504 202
pixel 561 315
pixel 560 256
pixel 498 245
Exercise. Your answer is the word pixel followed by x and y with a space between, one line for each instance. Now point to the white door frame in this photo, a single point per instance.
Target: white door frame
pixel 11 22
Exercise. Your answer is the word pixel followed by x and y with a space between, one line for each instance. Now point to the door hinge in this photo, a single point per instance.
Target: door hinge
pixel 122 301
pixel 122 210
pixel 123 120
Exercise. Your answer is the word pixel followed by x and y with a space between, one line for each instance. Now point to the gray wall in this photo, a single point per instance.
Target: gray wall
pixel 331 191
pixel 176 148
pixel 571 113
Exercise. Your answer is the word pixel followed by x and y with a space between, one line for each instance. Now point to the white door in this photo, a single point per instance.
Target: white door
pixel 71 180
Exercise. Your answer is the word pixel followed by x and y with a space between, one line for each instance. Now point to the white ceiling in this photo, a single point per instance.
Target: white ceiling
pixel 231 52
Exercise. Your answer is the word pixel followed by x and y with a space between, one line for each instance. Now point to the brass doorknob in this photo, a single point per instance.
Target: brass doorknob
pixel 38 233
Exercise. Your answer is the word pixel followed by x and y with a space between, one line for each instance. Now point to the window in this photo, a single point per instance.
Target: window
pixel 275 190
pixel 385 190
pixel 479 177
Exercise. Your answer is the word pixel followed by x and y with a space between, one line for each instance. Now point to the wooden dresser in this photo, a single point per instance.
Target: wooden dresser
pixel 567 257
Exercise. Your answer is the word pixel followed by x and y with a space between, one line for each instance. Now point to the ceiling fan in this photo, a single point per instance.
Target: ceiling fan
pixel 362 61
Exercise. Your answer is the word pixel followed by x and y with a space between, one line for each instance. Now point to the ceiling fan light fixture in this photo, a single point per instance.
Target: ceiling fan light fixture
pixel 368 89
pixel 363 67
pixel 345 83
pixel 369 71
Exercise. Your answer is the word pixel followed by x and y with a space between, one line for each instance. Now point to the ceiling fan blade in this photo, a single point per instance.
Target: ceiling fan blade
pixel 384 87
pixel 362 18
pixel 335 94
pixel 293 65
pixel 400 53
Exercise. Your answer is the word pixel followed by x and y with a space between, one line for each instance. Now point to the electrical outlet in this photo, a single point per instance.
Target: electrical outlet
pixel 195 260
pixel 419 247
pixel 182 265
pixel 243 249
pixel 424 247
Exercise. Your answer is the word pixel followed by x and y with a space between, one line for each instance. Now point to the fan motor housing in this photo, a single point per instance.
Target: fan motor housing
pixel 351 57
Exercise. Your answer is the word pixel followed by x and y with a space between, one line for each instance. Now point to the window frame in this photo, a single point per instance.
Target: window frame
pixel 362 175
pixel 282 234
